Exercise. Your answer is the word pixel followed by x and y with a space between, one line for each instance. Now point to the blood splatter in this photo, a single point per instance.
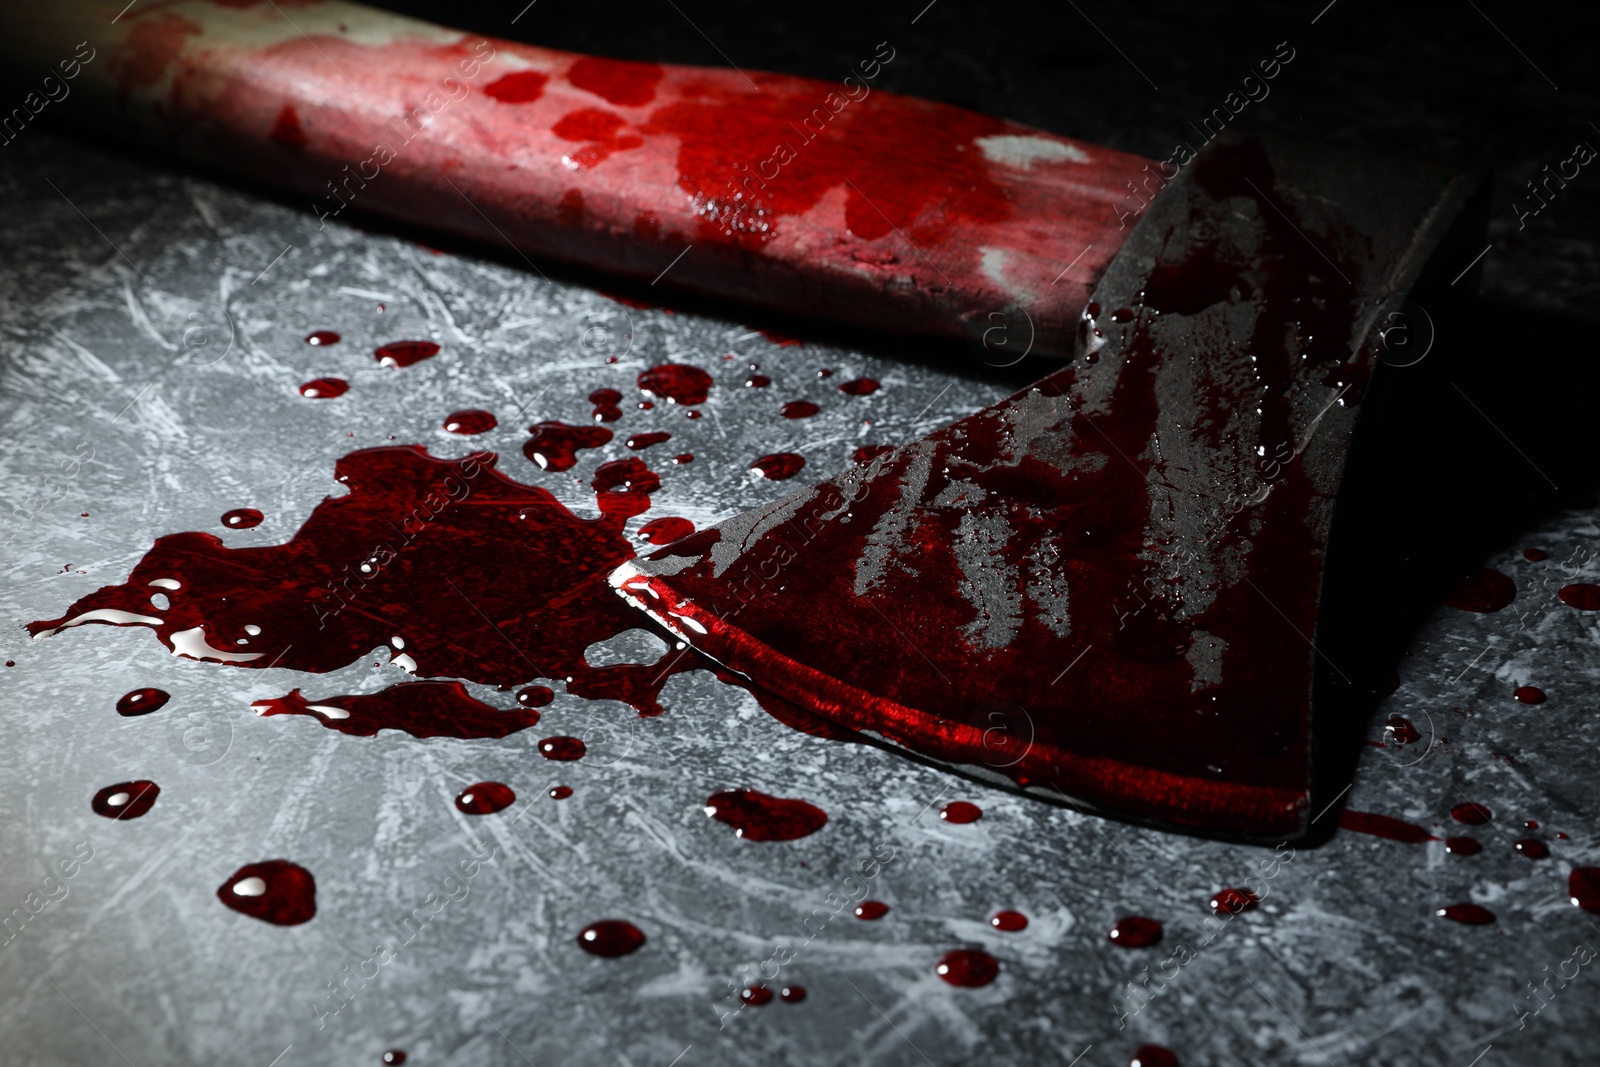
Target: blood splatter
pixel 421 709
pixel 554 446
pixel 757 816
pixel 142 701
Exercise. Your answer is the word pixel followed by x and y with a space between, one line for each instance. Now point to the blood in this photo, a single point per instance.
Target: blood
pixel 1365 822
pixel 1532 848
pixel 242 518
pixel 554 445
pixel 960 812
pixel 1009 921
pixel 485 798
pixel 324 388
pixel 562 749
pixel 1233 900
pixel 1134 931
pixel 913 592
pixel 485 579
pixel 677 382
pixel 125 800
pixel 1400 731
pixel 1471 814
pixel 1585 596
pixel 1153 1056
pixel 684 457
pixel 645 440
pixel 1583 886
pixel 405 353
pixel 607 405
pixel 798 409
pixel 611 937
pixel 535 696
pixel 1470 914
pixel 603 131
pixel 792 994
pixel 1535 555
pixel 322 337
pixel 1462 846
pixel 616 81
pixel 274 891
pixel 560 792
pixel 143 701
pixel 666 530
pixel 470 421
pixel 758 381
pixel 780 466
pixel 1529 694
pixel 756 995
pixel 393 1058
pixel 1484 592
pixel 871 910
pixel 968 968
pixel 421 709
pixel 757 816
pixel 859 387
pixel 1530 824
pixel 623 487
pixel 518 87
pixel 782 340
pixel 867 453
pixel 286 129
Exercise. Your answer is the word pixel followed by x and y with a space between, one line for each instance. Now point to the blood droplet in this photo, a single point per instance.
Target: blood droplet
pixel 1233 901
pixel 485 798
pixel 470 421
pixel 405 353
pixel 274 891
pixel 1134 931
pixel 757 816
pixel 125 800
pixel 960 812
pixel 611 938
pixel 324 388
pixel 968 968
pixel 562 749
pixel 143 701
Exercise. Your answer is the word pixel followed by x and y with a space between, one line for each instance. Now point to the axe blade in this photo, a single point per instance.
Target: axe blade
pixel 1104 589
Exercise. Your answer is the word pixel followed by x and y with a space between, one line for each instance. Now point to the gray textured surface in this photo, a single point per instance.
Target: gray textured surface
pixel 1343 963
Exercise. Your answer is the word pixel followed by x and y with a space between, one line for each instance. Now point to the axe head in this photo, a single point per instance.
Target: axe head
pixel 1104 589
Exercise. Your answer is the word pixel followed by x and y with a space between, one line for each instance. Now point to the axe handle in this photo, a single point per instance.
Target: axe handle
pixel 825 199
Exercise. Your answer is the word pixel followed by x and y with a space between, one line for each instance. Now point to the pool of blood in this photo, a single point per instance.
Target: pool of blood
pixel 460 571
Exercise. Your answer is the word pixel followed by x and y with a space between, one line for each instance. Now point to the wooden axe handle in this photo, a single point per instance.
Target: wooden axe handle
pixel 826 199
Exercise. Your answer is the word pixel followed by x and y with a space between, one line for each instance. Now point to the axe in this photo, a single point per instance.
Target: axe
pixel 1103 590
